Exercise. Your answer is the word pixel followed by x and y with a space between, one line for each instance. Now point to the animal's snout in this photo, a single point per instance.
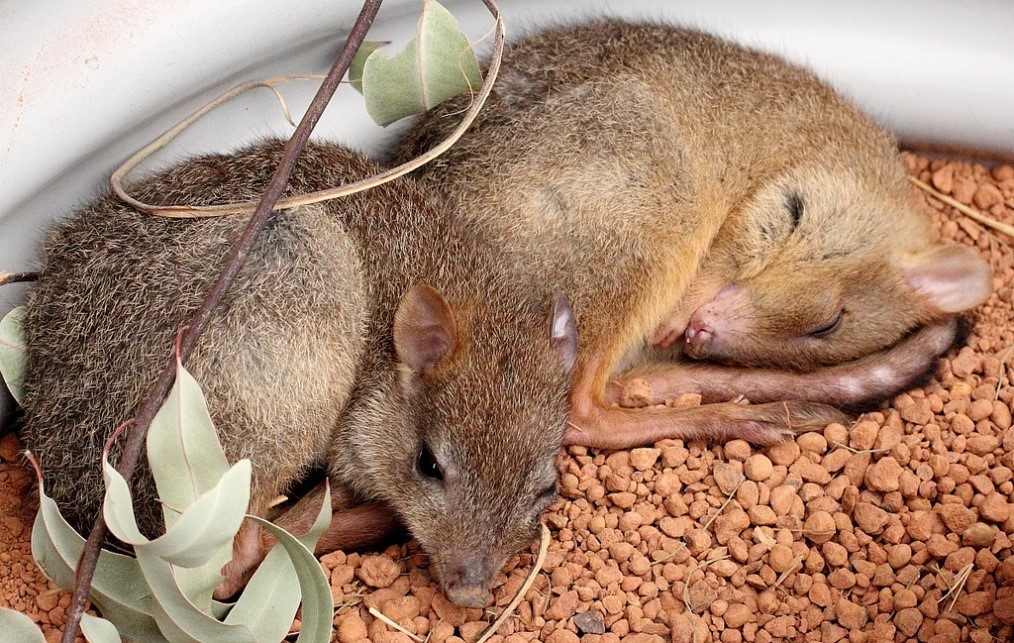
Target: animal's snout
pixel 467 579
pixel 716 323
pixel 698 335
pixel 467 595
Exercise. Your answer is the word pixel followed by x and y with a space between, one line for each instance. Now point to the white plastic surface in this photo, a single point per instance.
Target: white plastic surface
pixel 82 85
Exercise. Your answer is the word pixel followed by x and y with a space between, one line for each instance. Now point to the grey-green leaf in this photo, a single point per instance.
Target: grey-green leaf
pixel 118 589
pixel 270 599
pixel 98 630
pixel 209 523
pixel 13 352
pixel 177 616
pixel 356 67
pixel 185 455
pixel 18 627
pixel 187 461
pixel 118 508
pixel 318 605
pixel 205 526
pixel 435 65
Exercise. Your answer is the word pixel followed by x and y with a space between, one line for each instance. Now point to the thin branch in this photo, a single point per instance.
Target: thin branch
pixel 132 449
pixel 17 277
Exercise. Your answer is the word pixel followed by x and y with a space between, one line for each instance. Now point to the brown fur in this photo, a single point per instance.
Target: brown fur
pixel 300 365
pixel 667 180
pixel 638 169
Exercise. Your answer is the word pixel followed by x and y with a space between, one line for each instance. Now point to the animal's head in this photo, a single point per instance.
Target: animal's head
pixel 481 402
pixel 832 264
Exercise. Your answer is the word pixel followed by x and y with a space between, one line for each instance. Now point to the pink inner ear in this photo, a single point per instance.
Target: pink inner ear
pixel 563 332
pixel 424 329
pixel 955 278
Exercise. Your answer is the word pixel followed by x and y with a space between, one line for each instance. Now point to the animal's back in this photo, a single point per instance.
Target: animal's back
pixel 638 165
pixel 276 363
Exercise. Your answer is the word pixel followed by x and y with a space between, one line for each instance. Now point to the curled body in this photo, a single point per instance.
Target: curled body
pixel 701 201
pixel 370 336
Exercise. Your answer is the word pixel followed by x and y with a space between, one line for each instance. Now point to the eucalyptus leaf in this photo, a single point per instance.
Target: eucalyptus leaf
pixel 221 609
pixel 187 461
pixel 271 597
pixel 209 523
pixel 18 627
pixel 177 616
pixel 118 508
pixel 356 67
pixel 98 630
pixel 165 593
pixel 184 453
pixel 435 65
pixel 13 352
pixel 318 604
pixel 118 588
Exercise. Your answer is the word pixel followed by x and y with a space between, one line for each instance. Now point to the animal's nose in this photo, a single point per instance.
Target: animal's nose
pixel 467 580
pixel 467 595
pixel 699 334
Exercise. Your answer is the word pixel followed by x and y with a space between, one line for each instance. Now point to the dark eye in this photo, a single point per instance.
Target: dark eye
pixel 829 328
pixel 427 465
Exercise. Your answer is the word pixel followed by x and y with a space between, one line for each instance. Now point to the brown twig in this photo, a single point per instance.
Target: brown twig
pixel 132 449
pixel 17 277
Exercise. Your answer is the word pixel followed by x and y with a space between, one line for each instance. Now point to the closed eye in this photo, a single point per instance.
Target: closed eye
pixel 830 327
pixel 547 495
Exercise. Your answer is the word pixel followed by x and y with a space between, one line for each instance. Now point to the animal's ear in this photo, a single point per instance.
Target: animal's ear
pixel 425 332
pixel 563 332
pixel 953 277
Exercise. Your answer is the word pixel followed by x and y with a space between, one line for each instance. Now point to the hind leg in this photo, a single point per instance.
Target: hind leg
pixel 595 422
pixel 853 384
pixel 352 527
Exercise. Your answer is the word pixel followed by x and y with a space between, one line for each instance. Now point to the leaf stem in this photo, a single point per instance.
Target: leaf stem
pixel 132 449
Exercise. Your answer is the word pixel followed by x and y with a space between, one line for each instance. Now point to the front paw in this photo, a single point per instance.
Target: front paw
pixel 249 548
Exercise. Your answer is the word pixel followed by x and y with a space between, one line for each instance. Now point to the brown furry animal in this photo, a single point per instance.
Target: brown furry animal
pixel 679 187
pixel 371 335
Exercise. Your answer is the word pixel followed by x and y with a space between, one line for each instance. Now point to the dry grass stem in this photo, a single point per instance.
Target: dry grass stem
pixel 185 211
pixel 725 504
pixel 1002 380
pixel 377 613
pixel 794 566
pixel 532 575
pixel 686 586
pixel 989 222
pixel 859 451
pixel 955 586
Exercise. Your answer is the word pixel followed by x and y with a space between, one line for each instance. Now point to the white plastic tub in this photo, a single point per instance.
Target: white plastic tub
pixel 82 85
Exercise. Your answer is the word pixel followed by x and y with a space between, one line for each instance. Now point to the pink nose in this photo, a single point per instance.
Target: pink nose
pixel 698 335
